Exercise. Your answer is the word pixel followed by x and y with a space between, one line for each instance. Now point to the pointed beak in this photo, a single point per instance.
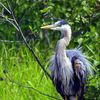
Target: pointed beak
pixel 48 27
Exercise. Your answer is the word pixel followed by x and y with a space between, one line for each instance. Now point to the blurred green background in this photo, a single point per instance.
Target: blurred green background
pixel 17 65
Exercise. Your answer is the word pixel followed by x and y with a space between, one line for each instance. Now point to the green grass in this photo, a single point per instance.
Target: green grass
pixel 18 64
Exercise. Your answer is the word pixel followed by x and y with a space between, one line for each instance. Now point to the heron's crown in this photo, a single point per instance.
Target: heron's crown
pixel 61 22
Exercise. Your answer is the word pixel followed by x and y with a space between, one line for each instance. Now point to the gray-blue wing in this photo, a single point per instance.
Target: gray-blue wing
pixel 86 66
pixel 79 77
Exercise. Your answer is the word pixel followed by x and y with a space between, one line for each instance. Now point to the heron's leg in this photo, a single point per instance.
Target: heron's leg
pixel 76 97
pixel 65 98
pixel 81 93
pixel 73 98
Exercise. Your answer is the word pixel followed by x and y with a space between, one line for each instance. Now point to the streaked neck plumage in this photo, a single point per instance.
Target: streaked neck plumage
pixel 65 39
pixel 62 62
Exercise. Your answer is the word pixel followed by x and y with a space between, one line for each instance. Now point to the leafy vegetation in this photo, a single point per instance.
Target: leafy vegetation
pixel 19 71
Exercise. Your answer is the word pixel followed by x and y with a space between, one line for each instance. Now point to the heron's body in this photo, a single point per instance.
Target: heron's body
pixel 75 86
pixel 68 67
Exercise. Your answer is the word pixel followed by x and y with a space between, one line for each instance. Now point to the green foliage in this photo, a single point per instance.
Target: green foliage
pixel 18 64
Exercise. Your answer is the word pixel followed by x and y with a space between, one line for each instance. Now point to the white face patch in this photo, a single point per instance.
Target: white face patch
pixel 57 23
pixel 65 27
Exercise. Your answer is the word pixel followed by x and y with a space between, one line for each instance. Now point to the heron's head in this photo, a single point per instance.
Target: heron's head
pixel 61 25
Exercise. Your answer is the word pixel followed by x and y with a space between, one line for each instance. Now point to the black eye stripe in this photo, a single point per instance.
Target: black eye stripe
pixel 63 22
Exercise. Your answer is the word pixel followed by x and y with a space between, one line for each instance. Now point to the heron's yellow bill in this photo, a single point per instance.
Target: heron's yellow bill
pixel 48 27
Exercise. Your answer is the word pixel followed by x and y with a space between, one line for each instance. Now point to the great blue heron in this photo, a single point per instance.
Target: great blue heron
pixel 69 68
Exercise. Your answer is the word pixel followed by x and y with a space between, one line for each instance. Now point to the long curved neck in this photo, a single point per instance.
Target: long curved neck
pixel 64 41
pixel 63 65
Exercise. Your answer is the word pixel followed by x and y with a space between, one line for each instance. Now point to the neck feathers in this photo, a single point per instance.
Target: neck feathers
pixel 61 60
pixel 66 32
pixel 65 38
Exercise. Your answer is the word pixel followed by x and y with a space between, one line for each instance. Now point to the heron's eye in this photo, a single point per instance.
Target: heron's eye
pixel 59 25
